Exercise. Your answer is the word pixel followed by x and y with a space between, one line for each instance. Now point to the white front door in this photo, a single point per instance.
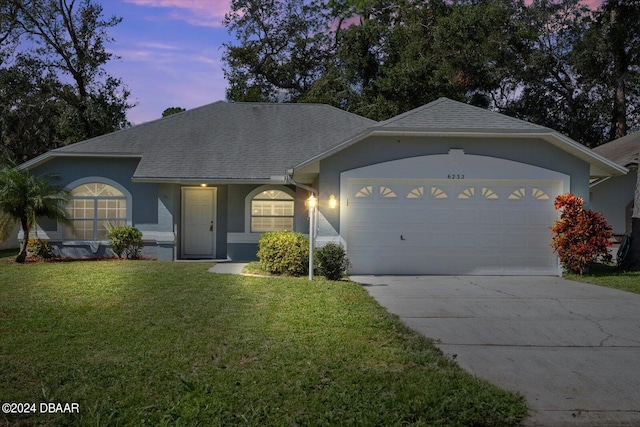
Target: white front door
pixel 198 222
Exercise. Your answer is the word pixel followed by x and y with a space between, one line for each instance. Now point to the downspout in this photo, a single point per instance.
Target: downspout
pixel 289 180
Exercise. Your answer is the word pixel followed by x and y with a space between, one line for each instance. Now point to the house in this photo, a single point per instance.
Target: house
pixel 446 188
pixel 12 241
pixel 613 195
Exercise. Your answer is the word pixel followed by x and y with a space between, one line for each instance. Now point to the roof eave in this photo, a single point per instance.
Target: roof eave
pixel 600 166
pixel 37 161
pixel 275 180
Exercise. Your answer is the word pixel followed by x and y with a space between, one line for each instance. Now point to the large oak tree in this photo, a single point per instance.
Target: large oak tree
pixel 62 53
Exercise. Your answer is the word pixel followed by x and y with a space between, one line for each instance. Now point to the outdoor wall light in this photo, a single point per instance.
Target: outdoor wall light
pixel 333 202
pixel 312 202
pixel 203 185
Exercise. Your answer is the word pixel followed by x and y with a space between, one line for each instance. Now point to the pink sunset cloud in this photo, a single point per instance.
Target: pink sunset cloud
pixel 195 12
pixel 593 4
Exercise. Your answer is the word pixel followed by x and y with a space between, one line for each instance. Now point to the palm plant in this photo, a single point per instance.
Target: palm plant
pixel 24 198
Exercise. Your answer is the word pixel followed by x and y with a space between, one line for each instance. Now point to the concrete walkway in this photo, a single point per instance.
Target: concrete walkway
pixel 228 267
pixel 572 349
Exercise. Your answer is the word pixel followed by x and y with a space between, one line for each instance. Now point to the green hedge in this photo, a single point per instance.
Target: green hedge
pixel 126 242
pixel 284 252
pixel 331 261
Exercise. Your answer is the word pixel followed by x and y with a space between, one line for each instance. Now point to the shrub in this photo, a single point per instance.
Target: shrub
pixel 581 237
pixel 40 248
pixel 284 252
pixel 126 241
pixel 332 261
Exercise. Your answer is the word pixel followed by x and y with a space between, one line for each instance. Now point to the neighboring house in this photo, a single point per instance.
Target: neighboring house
pixel 446 188
pixel 613 196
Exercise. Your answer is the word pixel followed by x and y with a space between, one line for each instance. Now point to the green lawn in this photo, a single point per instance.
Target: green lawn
pixel 611 277
pixel 155 343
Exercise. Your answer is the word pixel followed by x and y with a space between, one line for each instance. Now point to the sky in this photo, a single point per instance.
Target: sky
pixel 170 52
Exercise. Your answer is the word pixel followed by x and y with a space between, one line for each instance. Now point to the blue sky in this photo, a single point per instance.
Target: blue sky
pixel 170 52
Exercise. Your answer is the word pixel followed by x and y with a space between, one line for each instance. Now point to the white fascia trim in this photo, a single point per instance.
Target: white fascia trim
pixel 158 237
pixel 210 181
pixel 323 240
pixel 48 156
pixel 600 165
pixel 598 181
pixel 238 238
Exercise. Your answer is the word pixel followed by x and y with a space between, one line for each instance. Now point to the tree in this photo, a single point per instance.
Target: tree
pixel 30 110
pixel 8 23
pixel 281 53
pixel 549 88
pixel 63 46
pixel 24 198
pixel 476 45
pixel 632 261
pixel 172 110
pixel 610 61
pixel 534 60
pixel 611 58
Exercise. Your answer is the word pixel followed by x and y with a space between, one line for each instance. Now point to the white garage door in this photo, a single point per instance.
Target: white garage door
pixel 451 226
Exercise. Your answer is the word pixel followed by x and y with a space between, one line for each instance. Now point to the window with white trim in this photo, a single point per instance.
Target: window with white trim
pixel 272 210
pixel 93 209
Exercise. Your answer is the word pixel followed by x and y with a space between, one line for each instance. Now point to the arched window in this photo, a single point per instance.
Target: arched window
pixel 93 209
pixel 272 210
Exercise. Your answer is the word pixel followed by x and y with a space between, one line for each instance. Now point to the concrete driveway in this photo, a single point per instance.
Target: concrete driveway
pixel 572 349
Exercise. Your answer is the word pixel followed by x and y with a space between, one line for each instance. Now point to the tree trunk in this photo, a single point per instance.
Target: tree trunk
pixel 633 259
pixel 22 256
pixel 621 67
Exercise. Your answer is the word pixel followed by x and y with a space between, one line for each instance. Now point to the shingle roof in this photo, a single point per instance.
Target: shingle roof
pixel 624 151
pixel 227 141
pixel 257 141
pixel 445 114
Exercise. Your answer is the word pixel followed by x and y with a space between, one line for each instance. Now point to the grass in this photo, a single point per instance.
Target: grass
pixel 256 268
pixel 158 343
pixel 611 277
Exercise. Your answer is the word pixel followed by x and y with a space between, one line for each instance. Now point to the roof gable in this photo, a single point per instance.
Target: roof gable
pixel 445 117
pixel 624 151
pixel 445 113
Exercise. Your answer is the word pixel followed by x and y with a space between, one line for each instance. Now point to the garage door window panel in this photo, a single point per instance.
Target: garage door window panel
pixel 416 193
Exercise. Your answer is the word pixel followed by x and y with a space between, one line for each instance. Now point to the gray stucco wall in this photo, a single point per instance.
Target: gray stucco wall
pixel 612 197
pixel 144 198
pixel 242 244
pixel 170 221
pixel 381 149
pixel 169 214
pixel 222 221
